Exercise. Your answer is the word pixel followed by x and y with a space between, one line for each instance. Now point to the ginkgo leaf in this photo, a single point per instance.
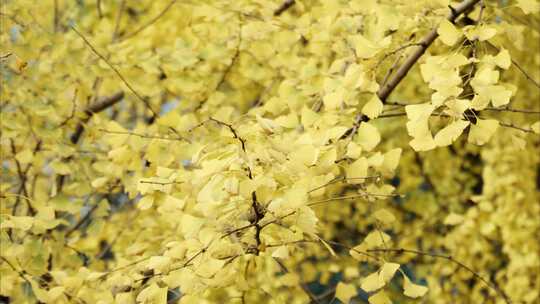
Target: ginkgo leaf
pixel 368 136
pixel 379 298
pixel 384 216
pixel 334 99
pixel 413 290
pixel 450 133
pixel 503 59
pixel 480 33
pixel 18 222
pixel 308 117
pixel 499 95
pixel 536 127
pixel 423 143
pixel 153 294
pixel 357 171
pixel 268 125
pixel 372 282
pixel 453 219
pixel 388 271
pixel 146 202
pixel 353 150
pixel 528 6
pixel 344 292
pixel 448 33
pixel 391 160
pixel 159 263
pixel 373 107
pixel 281 252
pixel 481 132
pixel 376 239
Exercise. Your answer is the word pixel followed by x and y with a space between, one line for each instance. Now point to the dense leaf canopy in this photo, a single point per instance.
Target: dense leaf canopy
pixel 257 151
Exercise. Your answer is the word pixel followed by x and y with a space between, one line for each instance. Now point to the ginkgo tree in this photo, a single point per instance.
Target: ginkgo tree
pixel 294 151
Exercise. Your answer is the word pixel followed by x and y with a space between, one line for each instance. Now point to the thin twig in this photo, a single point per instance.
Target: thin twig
pixel 56 20
pixel 155 115
pixel 150 22
pixel 303 285
pixel 100 13
pixel 512 110
pixel 518 66
pixel 343 179
pixel 451 259
pixel 363 195
pixel 502 124
pixel 118 19
pixel 81 221
pixel 180 138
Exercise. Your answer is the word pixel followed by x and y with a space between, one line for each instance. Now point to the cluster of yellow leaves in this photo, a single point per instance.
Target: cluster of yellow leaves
pixel 253 158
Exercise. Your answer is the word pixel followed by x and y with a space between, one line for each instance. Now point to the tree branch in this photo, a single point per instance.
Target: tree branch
pixel 451 259
pixel 152 21
pixel 284 7
pixel 388 87
pixel 97 107
pixel 117 72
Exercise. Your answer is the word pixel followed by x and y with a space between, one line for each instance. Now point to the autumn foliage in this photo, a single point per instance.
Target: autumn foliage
pixel 257 151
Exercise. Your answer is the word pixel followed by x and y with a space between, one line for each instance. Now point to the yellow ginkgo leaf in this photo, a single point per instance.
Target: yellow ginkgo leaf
pixel 480 33
pixel 153 294
pixel 376 239
pixel 357 171
pixel 423 143
pixel 499 95
pixel 281 252
pixel 334 99
pixel 368 136
pixel 387 271
pixel 536 127
pixel 344 292
pixel 413 290
pixel 448 33
pixel 372 282
pixel 503 59
pixel 482 131
pixel 308 117
pixel 528 6
pixel 146 202
pixel 373 107
pixel 159 263
pixel 391 160
pixel 453 219
pixel 450 133
pixel 384 216
pixel 379 298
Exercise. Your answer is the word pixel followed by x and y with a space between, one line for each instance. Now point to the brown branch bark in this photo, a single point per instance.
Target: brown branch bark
pixel 284 7
pixel 388 87
pixel 97 107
